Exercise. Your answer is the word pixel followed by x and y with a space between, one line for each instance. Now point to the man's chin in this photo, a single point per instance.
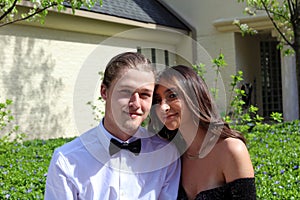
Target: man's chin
pixel 132 126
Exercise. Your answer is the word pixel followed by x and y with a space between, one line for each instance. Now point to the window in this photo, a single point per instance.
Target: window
pixel 271 78
pixel 160 58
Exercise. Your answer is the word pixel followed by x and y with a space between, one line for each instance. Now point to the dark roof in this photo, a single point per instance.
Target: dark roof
pixel 148 11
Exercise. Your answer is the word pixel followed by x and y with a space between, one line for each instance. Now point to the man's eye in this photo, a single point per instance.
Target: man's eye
pixel 145 95
pixel 126 92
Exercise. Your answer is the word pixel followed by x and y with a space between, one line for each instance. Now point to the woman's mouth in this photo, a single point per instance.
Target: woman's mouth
pixel 170 116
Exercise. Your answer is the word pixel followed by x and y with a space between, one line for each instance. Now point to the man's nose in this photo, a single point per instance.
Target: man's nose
pixel 135 100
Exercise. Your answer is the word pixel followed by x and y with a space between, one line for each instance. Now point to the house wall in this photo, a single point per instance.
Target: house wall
pixel 51 73
pixel 248 61
pixel 201 15
pixel 214 31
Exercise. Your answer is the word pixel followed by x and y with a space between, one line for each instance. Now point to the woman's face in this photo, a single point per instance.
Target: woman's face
pixel 169 106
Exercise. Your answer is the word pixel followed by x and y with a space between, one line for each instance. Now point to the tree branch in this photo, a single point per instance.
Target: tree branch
pixel 280 15
pixel 272 12
pixel 37 11
pixel 296 5
pixel 9 10
pixel 275 25
pixel 291 6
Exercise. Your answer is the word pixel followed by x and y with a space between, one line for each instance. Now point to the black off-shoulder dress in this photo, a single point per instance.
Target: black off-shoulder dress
pixel 239 189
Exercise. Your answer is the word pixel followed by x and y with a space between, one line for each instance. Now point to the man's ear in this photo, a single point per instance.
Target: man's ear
pixel 103 92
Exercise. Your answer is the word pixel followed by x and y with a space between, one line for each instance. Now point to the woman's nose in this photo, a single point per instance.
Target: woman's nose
pixel 164 106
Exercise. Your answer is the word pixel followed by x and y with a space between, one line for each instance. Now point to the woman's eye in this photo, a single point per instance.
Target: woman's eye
pixel 172 96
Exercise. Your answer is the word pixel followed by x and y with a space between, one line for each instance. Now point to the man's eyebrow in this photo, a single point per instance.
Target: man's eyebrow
pixel 145 90
pixel 135 88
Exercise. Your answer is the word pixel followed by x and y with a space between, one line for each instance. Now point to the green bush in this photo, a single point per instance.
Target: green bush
pixel 274 151
pixel 23 167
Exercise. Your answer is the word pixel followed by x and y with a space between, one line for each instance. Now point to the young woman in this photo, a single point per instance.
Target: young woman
pixel 215 160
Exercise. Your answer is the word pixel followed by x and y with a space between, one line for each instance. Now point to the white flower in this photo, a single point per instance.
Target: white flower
pixel 236 21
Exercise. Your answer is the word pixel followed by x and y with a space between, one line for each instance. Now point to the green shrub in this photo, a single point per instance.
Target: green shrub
pixel 275 150
pixel 23 167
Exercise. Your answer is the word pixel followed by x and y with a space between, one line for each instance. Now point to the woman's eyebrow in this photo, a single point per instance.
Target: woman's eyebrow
pixel 169 90
pixel 165 92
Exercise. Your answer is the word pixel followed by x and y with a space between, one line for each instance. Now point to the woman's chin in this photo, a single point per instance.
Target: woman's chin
pixel 172 126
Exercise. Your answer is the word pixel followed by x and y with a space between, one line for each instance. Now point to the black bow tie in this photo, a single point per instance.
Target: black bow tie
pixel 115 146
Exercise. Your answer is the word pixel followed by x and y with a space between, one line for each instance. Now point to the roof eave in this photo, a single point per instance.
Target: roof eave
pixel 111 19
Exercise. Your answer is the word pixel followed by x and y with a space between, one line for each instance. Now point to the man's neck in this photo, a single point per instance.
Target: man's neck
pixel 118 133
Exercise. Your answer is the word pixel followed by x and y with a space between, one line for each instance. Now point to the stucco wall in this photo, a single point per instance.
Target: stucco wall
pixel 39 68
pixel 213 29
pixel 248 61
pixel 201 15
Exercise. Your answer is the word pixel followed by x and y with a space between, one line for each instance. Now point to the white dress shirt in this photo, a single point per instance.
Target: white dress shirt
pixel 83 169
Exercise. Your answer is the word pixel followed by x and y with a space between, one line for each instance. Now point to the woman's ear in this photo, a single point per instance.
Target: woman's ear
pixel 103 91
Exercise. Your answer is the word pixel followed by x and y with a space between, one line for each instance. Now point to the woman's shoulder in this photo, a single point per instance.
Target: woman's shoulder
pixel 229 148
pixel 235 158
pixel 233 145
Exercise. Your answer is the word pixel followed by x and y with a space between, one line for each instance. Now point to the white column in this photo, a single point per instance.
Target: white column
pixel 289 88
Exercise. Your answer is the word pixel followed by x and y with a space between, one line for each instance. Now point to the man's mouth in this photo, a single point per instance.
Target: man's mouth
pixel 135 115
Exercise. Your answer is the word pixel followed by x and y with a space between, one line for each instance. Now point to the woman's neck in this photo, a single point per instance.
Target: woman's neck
pixel 199 141
pixel 193 136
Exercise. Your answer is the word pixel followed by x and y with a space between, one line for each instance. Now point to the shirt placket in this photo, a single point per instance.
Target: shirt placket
pixel 122 189
pixel 123 177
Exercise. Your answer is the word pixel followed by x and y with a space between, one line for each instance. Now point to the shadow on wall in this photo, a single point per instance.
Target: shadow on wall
pixel 29 81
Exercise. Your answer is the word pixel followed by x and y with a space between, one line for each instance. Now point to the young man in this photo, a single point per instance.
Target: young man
pixel 118 159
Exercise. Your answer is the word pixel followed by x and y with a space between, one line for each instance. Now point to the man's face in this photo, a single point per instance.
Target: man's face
pixel 128 101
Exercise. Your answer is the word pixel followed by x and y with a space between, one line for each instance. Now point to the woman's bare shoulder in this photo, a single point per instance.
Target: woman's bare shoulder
pixel 234 155
pixel 234 146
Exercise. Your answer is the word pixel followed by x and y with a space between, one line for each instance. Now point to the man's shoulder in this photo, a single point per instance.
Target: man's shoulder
pixel 69 147
pixel 74 145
